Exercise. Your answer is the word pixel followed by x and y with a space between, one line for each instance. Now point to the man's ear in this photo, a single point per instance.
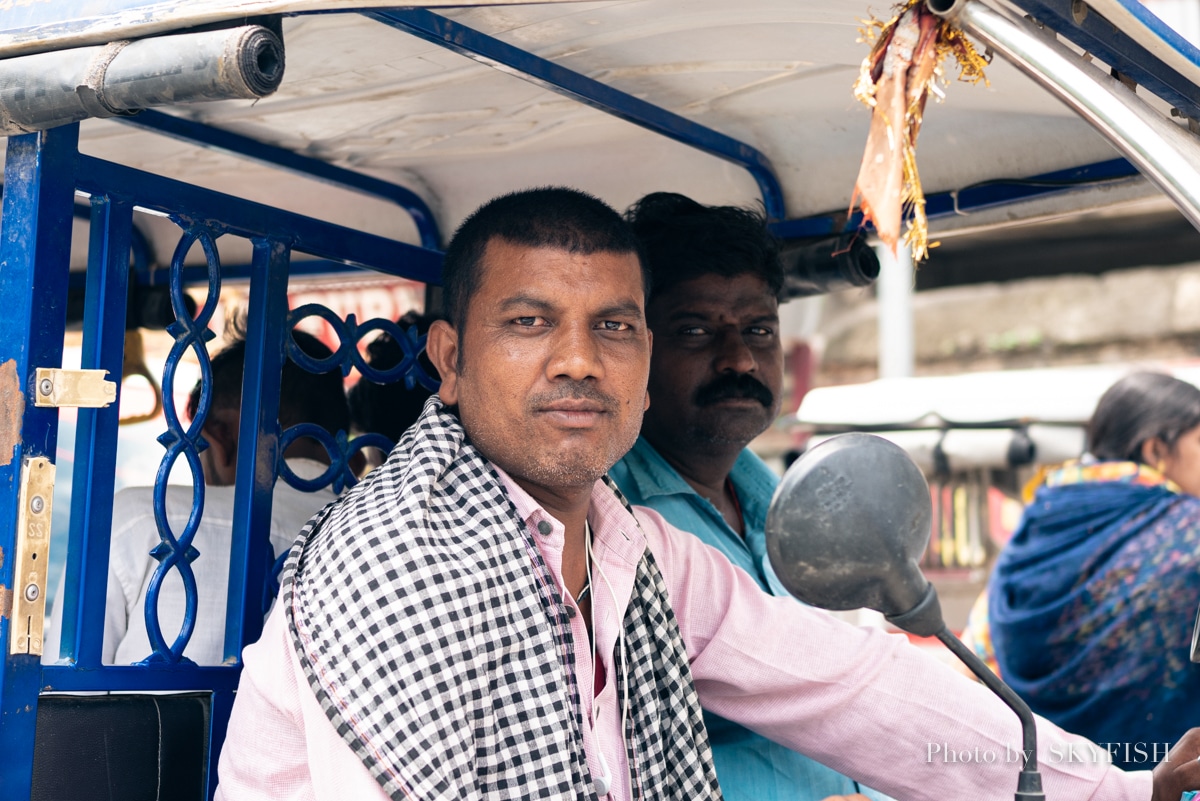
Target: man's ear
pixel 650 338
pixel 222 445
pixel 441 346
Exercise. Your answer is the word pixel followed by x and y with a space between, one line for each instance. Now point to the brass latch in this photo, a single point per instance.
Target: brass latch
pixel 33 554
pixel 86 388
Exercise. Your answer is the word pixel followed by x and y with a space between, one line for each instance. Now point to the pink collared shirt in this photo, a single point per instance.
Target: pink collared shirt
pixel 864 702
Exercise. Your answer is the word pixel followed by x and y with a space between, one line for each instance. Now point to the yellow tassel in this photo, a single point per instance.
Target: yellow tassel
pixel 948 40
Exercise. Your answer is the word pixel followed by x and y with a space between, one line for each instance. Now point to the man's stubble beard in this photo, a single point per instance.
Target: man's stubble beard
pixel 728 433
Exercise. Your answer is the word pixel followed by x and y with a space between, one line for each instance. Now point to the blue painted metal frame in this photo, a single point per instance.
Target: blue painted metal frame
pixel 307 235
pixel 34 264
pixel 243 146
pixel 1101 38
pixel 96 432
pixel 495 53
pixel 976 197
pixel 258 443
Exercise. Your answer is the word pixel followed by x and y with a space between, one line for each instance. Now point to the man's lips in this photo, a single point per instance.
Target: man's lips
pixel 736 400
pixel 574 412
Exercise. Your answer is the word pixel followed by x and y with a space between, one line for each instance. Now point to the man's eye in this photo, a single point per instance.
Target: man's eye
pixel 614 325
pixel 529 321
pixel 692 331
pixel 760 331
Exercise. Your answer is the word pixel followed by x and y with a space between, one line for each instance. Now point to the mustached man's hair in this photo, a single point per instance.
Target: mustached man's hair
pixel 550 217
pixel 682 239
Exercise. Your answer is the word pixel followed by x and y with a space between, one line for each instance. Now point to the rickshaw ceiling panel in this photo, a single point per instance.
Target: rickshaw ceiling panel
pixel 775 74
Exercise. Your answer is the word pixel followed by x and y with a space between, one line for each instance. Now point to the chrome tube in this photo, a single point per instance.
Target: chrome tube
pixel 1163 151
pixel 50 89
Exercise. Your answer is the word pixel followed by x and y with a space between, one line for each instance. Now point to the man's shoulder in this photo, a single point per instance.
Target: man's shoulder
pixel 133 506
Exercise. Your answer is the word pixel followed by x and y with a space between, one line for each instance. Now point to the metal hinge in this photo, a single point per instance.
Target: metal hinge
pixel 33 554
pixel 86 388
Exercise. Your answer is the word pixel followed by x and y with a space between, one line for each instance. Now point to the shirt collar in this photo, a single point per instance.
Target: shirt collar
pixel 754 482
pixel 613 527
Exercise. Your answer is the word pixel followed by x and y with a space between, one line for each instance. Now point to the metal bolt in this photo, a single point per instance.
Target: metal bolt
pixel 45 386
pixel 32 592
pixel 37 504
pixel 1079 11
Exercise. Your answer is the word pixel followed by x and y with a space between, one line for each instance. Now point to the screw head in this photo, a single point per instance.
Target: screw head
pixel 32 592
pixel 37 504
pixel 45 386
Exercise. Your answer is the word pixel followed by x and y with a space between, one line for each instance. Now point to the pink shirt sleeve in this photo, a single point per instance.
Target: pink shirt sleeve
pixel 865 702
pixel 280 745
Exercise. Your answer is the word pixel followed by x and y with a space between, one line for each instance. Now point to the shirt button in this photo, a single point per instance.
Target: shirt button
pixel 544 528
pixel 571 612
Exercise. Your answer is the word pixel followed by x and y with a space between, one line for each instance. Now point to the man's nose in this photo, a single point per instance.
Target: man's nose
pixel 576 354
pixel 733 354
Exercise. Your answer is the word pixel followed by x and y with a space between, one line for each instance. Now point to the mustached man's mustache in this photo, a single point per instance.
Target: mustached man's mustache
pixel 734 385
pixel 574 390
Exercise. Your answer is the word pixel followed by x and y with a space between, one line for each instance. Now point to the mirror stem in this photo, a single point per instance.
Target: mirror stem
pixel 1029 783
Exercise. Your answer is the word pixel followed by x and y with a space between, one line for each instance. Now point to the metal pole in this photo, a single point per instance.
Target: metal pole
pixel 894 293
pixel 51 89
pixel 1164 152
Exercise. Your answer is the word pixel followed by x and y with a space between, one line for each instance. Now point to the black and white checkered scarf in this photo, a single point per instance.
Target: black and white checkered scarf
pixel 435 638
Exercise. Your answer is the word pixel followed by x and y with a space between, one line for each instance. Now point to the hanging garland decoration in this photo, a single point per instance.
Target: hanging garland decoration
pixel 902 70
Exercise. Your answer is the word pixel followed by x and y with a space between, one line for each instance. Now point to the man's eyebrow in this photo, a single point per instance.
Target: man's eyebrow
pixel 525 302
pixel 765 317
pixel 628 308
pixel 708 314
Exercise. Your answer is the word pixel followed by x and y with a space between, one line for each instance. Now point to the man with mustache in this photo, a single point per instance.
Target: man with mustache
pixel 485 618
pixel 715 376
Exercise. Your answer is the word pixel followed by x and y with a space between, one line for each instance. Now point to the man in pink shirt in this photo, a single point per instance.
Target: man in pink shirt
pixel 485 617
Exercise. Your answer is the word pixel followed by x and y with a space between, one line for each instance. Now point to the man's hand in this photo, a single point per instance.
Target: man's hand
pixel 1180 771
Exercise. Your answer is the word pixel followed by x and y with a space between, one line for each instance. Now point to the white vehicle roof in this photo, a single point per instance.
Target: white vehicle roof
pixel 775 74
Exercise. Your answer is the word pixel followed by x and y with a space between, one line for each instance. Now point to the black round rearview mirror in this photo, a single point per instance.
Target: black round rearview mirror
pixel 847 528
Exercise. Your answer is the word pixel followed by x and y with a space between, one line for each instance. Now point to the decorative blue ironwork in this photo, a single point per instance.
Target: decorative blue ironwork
pixel 338 475
pixel 178 552
pixel 228 142
pixel 347 355
pixel 548 75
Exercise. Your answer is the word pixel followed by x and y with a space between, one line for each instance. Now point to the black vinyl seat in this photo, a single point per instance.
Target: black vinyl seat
pixel 121 747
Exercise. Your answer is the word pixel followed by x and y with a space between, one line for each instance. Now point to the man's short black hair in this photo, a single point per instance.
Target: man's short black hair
pixel 549 217
pixel 304 397
pixel 682 239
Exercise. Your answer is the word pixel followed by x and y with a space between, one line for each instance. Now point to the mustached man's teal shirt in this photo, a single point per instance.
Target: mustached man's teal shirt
pixel 749 767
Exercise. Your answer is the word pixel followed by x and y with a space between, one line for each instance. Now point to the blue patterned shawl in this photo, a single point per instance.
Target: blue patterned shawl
pixel 1091 607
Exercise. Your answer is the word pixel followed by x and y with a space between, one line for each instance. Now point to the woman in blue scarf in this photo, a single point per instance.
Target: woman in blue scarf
pixel 1091 603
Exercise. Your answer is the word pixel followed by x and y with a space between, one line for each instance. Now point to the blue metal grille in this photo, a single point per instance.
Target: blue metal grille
pixel 42 173
pixel 177 552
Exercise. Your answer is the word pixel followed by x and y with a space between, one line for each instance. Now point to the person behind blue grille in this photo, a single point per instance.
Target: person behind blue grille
pixel 304 398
